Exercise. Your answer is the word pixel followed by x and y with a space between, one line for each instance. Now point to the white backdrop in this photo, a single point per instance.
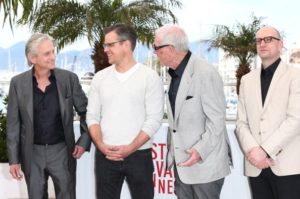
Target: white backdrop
pixel 236 185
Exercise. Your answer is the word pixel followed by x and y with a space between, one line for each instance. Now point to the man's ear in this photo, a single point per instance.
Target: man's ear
pixel 32 58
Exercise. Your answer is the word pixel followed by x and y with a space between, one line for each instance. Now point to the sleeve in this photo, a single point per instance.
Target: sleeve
pixel 80 104
pixel 243 132
pixel 214 108
pixel 94 105
pixel 154 104
pixel 13 125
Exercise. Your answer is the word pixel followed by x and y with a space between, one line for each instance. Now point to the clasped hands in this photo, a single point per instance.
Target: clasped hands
pixel 259 158
pixel 117 152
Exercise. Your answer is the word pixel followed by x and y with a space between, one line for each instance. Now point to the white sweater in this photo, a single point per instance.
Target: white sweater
pixel 123 109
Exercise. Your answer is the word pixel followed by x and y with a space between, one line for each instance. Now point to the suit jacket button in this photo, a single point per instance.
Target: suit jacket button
pixel 174 131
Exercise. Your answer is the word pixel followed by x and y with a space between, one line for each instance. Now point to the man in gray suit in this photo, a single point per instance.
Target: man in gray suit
pixel 40 134
pixel 198 142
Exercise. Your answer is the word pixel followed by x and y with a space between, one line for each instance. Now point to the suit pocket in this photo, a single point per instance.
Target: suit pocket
pixel 188 97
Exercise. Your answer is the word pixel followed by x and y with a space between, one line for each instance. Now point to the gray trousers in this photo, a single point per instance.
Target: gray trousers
pixel 51 160
pixel 209 190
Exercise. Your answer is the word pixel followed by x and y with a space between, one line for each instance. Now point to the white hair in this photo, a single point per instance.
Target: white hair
pixel 174 35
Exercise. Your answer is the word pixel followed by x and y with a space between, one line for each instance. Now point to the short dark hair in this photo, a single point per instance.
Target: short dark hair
pixel 124 32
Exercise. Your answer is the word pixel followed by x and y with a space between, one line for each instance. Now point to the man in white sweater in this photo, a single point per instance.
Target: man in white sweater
pixel 125 109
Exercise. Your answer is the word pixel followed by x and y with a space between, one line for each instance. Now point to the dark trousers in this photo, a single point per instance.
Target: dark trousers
pixel 51 160
pixel 137 169
pixel 269 186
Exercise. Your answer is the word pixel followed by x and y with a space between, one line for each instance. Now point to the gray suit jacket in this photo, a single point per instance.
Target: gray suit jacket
pixel 20 116
pixel 199 123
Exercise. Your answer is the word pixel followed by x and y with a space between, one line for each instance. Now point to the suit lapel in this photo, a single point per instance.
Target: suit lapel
pixel 278 73
pixel 257 89
pixel 61 92
pixel 183 89
pixel 170 114
pixel 28 94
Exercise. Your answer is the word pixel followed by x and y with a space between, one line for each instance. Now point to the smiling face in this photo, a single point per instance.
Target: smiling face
pixel 114 48
pixel 269 48
pixel 43 56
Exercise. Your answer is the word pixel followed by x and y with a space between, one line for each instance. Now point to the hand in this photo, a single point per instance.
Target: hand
pixel 256 155
pixel 78 151
pixel 266 163
pixel 193 159
pixel 259 158
pixel 109 152
pixel 15 171
pixel 119 153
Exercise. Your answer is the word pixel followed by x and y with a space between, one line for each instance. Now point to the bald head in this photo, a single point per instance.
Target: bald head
pixel 271 31
pixel 269 45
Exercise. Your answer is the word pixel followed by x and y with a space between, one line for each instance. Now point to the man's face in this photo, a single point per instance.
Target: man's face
pixel 268 44
pixel 114 48
pixel 163 52
pixel 45 56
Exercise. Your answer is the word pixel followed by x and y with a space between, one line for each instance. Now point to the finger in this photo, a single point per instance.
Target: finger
pixel 251 161
pixel 114 158
pixel 113 153
pixel 16 174
pixel 189 151
pixel 248 154
pixel 114 148
pixel 75 151
pixel 186 163
pixel 270 162
pixel 79 154
pixel 19 175
pixel 13 174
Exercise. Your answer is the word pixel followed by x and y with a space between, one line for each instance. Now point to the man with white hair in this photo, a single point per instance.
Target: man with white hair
pixel 199 146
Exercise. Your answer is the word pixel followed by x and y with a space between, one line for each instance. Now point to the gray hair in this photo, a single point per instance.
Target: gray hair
pixel 33 43
pixel 174 35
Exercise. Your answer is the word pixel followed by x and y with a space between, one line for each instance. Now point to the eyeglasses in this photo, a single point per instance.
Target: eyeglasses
pixel 265 39
pixel 109 45
pixel 159 47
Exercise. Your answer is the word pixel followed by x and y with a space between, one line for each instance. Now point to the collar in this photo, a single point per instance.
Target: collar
pixel 180 69
pixel 271 69
pixel 51 77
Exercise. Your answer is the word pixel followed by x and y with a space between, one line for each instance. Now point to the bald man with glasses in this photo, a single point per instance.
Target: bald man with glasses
pixel 268 123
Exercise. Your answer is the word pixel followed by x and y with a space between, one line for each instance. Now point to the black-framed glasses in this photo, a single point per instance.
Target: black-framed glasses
pixel 159 47
pixel 109 45
pixel 265 39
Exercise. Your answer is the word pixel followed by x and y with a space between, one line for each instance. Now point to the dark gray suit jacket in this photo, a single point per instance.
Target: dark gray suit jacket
pixel 20 116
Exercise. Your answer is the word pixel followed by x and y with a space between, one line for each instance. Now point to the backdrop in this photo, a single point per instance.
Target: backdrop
pixel 236 185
